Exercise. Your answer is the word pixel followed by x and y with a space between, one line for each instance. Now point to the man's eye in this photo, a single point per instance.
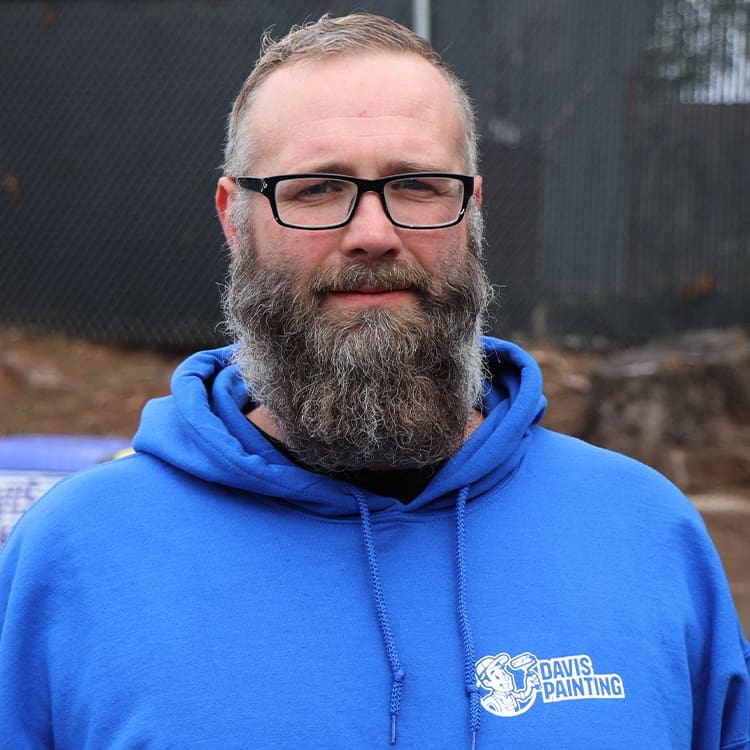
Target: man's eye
pixel 317 189
pixel 413 185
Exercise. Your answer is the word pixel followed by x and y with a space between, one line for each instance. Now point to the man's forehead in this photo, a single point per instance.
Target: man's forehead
pixel 386 81
pixel 373 98
pixel 356 61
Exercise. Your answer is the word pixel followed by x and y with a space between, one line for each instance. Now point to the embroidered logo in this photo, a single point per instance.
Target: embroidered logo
pixel 513 683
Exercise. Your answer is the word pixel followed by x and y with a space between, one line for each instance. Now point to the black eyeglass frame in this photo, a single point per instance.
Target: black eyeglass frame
pixel 267 186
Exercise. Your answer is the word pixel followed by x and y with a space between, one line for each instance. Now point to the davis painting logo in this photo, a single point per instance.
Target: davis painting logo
pixel 514 682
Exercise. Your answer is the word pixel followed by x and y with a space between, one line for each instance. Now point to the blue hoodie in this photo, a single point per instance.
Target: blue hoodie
pixel 207 592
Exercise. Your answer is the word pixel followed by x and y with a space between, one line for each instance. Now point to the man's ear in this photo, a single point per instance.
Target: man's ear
pixel 478 190
pixel 224 199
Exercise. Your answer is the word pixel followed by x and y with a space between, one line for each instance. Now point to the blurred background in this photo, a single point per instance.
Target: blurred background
pixel 616 161
pixel 615 137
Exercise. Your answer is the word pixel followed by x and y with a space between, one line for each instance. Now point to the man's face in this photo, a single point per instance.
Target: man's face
pixel 361 340
pixel 366 116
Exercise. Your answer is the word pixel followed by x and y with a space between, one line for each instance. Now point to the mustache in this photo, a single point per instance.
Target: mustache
pixel 386 276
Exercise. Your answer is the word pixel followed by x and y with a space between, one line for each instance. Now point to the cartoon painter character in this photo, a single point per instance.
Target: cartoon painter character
pixel 512 683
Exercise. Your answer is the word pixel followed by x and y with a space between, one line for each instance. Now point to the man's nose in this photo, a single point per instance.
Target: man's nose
pixel 370 231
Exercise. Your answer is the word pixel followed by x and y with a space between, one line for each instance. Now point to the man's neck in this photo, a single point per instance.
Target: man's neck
pixel 402 484
pixel 262 418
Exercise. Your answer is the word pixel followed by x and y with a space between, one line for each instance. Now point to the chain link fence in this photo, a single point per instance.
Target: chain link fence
pixel 615 154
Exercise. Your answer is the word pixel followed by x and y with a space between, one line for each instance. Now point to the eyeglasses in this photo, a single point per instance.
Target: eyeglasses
pixel 417 200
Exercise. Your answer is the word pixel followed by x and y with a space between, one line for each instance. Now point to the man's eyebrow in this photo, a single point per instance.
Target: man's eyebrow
pixel 399 167
pixel 413 166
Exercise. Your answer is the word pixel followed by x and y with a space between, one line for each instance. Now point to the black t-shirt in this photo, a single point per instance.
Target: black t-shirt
pixel 402 484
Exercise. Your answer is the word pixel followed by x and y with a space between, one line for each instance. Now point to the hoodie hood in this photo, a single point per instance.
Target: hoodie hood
pixel 202 429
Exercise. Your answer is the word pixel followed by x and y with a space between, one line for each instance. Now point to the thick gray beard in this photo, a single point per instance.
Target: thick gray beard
pixel 361 388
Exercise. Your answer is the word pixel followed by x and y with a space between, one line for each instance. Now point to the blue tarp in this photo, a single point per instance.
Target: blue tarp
pixel 31 464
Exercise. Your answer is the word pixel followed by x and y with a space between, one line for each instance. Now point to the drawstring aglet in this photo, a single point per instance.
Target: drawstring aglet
pixel 474 739
pixel 393 729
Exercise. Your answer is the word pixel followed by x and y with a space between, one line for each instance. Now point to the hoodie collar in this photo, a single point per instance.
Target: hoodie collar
pixel 202 430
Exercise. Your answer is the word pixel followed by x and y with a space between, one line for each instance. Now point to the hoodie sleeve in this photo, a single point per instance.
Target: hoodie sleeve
pixel 738 705
pixel 735 713
pixel 721 659
pixel 25 626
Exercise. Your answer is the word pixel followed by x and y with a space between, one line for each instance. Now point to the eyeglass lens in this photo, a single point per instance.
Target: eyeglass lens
pixel 323 201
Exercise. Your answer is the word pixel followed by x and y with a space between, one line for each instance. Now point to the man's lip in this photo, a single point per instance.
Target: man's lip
pixel 371 290
pixel 375 290
pixel 371 295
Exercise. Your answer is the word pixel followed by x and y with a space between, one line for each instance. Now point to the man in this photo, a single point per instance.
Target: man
pixel 328 532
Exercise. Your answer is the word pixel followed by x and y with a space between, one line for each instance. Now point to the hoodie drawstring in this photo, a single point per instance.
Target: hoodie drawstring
pixel 385 623
pixel 463 617
pixel 389 641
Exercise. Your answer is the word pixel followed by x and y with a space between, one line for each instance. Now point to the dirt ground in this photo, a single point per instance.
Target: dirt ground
pixel 53 384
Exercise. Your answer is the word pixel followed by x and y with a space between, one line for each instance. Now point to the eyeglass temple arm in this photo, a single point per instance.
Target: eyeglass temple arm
pixel 257 184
